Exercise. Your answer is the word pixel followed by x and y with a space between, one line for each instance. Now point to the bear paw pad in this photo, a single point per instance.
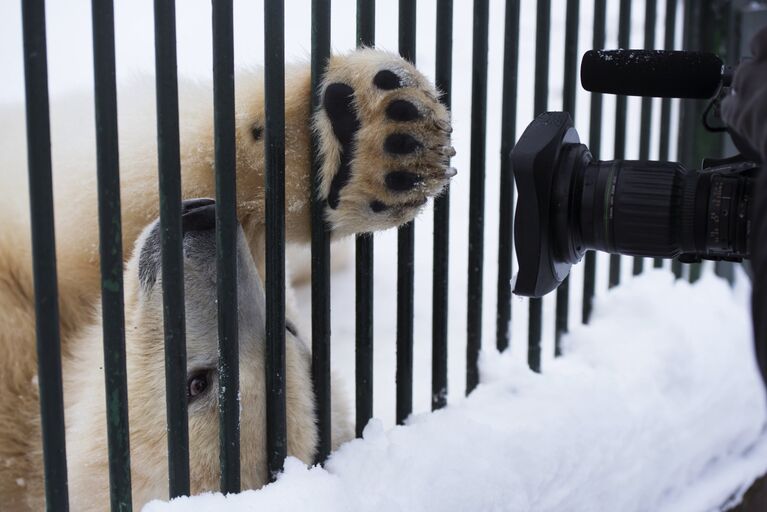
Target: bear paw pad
pixel 384 141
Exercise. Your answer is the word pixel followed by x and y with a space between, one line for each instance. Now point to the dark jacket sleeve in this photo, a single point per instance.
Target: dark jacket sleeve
pixel 745 110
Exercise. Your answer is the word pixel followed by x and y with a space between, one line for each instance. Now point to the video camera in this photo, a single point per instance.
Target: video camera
pixel 568 202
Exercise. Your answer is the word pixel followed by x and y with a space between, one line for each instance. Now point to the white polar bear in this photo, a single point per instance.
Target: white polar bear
pixel 384 146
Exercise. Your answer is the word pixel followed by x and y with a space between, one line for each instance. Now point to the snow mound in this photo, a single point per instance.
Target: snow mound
pixel 657 405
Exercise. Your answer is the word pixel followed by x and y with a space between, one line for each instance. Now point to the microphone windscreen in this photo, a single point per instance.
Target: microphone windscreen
pixel 657 73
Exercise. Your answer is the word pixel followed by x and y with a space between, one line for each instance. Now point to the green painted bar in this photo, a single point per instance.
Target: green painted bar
pixel 645 130
pixel 364 270
pixel 568 105
pixel 274 142
pixel 226 246
pixel 541 100
pixel 624 33
pixel 171 240
pixel 508 139
pixel 405 251
pixel 477 191
pixel 44 256
pixel 444 82
pixel 595 145
pixel 111 255
pixel 320 244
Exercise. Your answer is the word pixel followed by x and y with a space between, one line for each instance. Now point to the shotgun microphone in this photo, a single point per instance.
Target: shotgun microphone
pixel 655 73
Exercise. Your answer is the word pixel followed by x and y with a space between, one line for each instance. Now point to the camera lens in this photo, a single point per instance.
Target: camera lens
pixel 655 209
pixel 568 203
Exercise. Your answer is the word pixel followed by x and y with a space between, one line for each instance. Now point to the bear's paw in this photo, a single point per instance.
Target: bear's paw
pixel 384 140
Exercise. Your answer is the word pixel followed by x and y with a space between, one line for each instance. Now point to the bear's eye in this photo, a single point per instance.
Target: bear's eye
pixel 196 385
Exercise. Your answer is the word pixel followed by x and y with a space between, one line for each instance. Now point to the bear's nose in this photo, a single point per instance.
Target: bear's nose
pixel 198 215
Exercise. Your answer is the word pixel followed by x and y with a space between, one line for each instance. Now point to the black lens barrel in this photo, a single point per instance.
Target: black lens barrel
pixel 654 209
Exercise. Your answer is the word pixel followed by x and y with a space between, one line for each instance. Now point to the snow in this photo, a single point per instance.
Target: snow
pixel 656 405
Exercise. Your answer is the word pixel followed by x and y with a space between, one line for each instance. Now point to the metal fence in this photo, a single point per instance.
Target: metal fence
pixel 696 15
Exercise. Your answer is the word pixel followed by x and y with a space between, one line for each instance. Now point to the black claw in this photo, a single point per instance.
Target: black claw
pixel 402 110
pixel 401 144
pixel 387 80
pixel 402 181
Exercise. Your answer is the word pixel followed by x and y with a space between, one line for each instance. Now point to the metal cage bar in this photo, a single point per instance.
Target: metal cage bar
pixel 508 139
pixel 405 253
pixel 646 112
pixel 621 103
pixel 477 191
pixel 665 111
pixel 541 100
pixel 274 142
pixel 171 240
pixel 364 271
pixel 595 145
pixel 44 256
pixel 439 320
pixel 568 105
pixel 226 245
pixel 111 255
pixel 320 243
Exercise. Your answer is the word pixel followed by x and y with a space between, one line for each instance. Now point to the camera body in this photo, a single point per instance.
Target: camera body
pixel 569 203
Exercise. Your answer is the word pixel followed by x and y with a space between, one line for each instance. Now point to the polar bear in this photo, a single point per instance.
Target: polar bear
pixel 384 142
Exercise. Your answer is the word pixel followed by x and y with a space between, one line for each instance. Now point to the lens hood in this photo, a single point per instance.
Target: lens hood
pixel 534 161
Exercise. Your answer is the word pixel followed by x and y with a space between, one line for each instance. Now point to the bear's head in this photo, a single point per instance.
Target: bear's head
pixel 145 351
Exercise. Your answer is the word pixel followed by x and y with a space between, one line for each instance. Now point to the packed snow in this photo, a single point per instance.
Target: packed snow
pixel 656 405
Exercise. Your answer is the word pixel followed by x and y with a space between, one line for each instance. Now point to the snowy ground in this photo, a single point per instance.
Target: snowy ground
pixel 659 395
pixel 646 411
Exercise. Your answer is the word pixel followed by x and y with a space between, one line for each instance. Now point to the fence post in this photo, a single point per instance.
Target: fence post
pixel 508 139
pixel 320 243
pixel 274 143
pixel 476 191
pixel 443 74
pixel 405 253
pixel 595 143
pixel 541 101
pixel 226 245
pixel 44 256
pixel 568 105
pixel 111 255
pixel 364 270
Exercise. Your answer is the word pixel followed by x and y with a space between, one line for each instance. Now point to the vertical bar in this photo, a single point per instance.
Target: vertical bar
pixel 541 99
pixel 405 249
pixel 665 108
pixel 568 104
pixel 274 140
pixel 477 191
pixel 171 239
pixel 444 78
pixel 695 272
pixel 646 112
pixel 624 31
pixel 508 138
pixel 44 256
pixel 364 269
pixel 676 268
pixel 595 145
pixel 111 255
pixel 226 247
pixel 320 244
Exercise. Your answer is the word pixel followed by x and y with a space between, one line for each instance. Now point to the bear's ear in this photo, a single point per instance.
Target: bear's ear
pixel 149 257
